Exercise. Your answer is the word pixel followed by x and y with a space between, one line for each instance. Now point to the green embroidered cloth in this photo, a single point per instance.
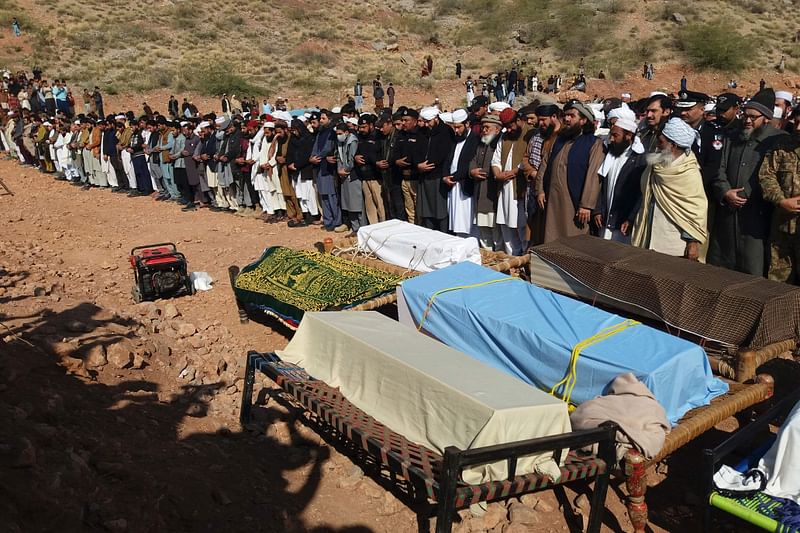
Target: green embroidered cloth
pixel 286 283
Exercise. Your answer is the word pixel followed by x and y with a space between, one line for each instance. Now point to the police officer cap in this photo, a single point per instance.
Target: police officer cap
pixel 408 112
pixel 688 99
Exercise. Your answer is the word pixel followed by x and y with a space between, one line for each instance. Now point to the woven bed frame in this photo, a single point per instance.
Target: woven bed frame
pixel 433 481
pixel 423 469
pixel 497 261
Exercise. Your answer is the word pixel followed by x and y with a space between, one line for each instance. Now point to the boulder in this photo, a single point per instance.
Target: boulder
pixel 121 354
pixel 95 357
pixel 677 18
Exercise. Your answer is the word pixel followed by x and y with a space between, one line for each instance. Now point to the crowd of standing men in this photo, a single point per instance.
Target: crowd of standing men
pixel 714 179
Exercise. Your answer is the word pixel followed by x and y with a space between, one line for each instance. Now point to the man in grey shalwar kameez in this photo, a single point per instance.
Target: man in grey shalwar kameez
pixel 352 196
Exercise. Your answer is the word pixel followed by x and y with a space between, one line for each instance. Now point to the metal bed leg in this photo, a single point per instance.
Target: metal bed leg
pixel 247 393
pixel 608 454
pixel 447 490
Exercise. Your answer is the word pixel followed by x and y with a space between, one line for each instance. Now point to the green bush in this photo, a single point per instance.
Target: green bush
pixel 716 46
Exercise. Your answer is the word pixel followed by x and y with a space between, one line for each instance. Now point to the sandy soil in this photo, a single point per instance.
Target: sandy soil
pixel 123 417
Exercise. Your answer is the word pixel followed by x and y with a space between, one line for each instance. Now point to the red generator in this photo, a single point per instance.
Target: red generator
pixel 159 271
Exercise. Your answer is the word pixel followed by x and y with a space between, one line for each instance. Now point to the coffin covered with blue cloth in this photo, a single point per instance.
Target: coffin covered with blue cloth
pixel 531 332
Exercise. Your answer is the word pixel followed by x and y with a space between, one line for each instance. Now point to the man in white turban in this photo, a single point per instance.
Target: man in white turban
pixel 672 218
pixel 620 175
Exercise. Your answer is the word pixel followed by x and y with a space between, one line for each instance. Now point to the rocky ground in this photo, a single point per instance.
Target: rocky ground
pixel 123 417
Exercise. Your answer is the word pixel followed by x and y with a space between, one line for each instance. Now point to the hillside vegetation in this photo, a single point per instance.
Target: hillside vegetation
pixel 321 46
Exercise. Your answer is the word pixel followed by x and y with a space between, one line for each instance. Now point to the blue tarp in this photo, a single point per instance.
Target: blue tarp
pixel 530 332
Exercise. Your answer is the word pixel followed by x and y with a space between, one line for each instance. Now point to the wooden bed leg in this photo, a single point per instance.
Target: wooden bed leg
pixel 233 271
pixel 636 484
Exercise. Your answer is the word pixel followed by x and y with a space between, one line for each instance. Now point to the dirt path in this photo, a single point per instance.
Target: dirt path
pixel 123 417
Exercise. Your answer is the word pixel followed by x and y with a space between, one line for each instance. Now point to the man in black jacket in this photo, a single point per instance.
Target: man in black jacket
pixel 367 170
pixel 620 176
pixel 392 178
pixel 430 158
pixel 402 158
pixel 460 204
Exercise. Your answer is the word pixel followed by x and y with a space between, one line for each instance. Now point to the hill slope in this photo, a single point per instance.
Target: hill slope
pixel 311 48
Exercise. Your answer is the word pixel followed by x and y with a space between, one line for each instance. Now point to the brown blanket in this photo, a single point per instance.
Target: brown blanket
pixel 642 421
pixel 711 302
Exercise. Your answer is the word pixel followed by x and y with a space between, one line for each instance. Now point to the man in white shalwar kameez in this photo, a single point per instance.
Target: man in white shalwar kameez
pixel 460 209
pixel 507 169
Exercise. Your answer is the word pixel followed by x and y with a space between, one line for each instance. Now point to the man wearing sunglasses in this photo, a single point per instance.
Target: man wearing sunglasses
pixel 740 230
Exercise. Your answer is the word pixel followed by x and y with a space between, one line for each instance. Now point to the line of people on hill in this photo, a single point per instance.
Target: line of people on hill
pixel 708 179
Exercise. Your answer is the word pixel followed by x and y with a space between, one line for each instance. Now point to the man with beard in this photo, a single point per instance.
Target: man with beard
pixel 459 201
pixel 242 167
pixel 432 150
pixel 621 174
pixel 548 121
pixel 507 169
pixel 293 211
pixel 671 218
pixel 139 160
pixel 269 166
pixel 570 183
pixel 403 156
pixel 301 172
pixel 352 196
pixel 229 147
pixel 478 109
pixel 366 168
pixel 740 228
pixel 484 185
pixel 191 149
pixel 657 111
pixel 323 160
pixel 208 151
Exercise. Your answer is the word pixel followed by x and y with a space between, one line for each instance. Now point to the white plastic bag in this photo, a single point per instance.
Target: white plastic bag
pixel 201 281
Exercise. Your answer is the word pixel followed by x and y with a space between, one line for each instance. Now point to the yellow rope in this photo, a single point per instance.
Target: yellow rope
pixel 568 383
pixel 442 291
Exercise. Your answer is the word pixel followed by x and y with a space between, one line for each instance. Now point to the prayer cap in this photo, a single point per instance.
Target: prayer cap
pixel 726 101
pixel 269 125
pixel 351 120
pixel 679 132
pixel 120 117
pixel 508 115
pixel 428 113
pixel 709 107
pixel 498 107
pixel 491 119
pixel 184 124
pixel 581 108
pixel 786 95
pixel 446 117
pixel 204 124
pixel 627 124
pixel 460 116
pixel 687 99
pixel 625 95
pixel 222 123
pixel 336 109
pixel 763 102
pixel 621 112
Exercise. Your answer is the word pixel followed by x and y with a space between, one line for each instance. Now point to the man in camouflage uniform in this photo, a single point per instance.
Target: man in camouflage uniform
pixel 780 185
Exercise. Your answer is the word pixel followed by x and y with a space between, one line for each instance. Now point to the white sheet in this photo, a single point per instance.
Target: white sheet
pixel 429 393
pixel 781 463
pixel 409 246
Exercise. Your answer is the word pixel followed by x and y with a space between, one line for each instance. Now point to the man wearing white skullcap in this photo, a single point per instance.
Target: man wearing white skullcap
pixel 459 202
pixel 620 176
pixel 431 157
pixel 673 215
pixel 783 101
pixel 495 108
